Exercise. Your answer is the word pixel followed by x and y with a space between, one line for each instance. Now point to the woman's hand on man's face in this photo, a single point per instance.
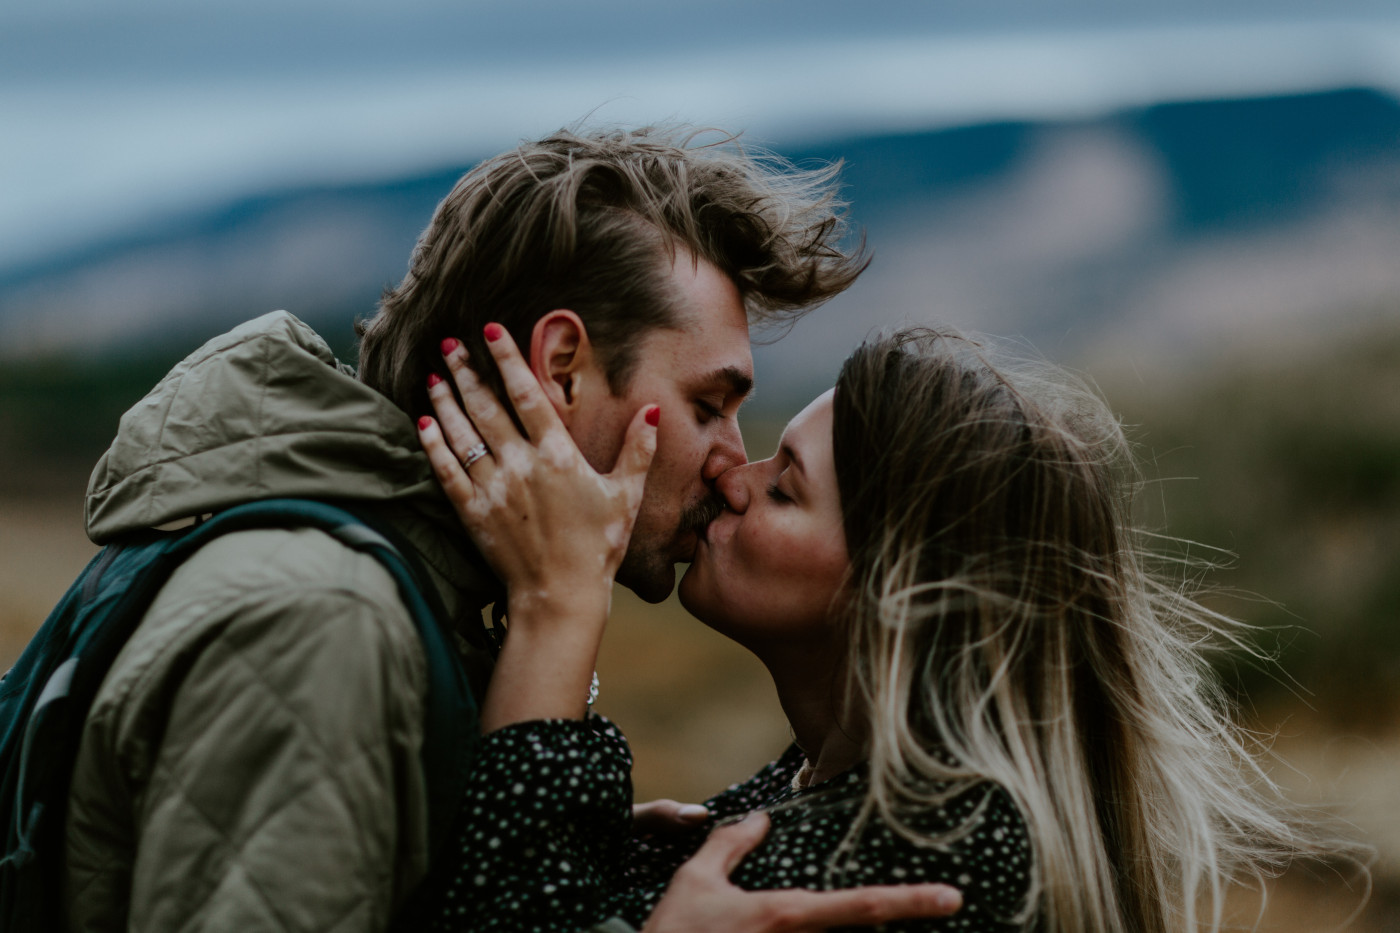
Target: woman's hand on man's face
pixel 551 527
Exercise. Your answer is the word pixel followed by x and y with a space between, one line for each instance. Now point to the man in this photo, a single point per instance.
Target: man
pixel 664 255
pixel 252 759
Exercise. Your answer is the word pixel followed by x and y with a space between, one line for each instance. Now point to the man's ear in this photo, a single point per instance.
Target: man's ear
pixel 561 357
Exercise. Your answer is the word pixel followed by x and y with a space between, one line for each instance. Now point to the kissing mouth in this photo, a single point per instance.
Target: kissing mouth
pixel 697 517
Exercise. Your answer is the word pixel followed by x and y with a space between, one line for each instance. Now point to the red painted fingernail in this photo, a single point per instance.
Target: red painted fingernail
pixel 654 416
pixel 493 332
pixel 424 423
pixel 449 345
pixel 433 379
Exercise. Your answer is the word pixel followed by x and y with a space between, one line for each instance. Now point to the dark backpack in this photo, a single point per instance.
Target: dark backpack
pixel 44 699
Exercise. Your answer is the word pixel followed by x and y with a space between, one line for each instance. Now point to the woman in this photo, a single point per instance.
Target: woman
pixel 985 684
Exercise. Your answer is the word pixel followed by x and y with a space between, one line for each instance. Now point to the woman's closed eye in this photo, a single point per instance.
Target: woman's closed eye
pixel 776 494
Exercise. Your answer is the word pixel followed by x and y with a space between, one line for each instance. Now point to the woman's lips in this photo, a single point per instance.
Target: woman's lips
pixel 714 533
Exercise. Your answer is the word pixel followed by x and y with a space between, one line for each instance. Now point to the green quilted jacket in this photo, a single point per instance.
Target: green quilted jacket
pixel 252 759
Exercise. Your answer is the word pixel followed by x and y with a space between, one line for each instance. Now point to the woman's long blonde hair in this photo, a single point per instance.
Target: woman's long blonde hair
pixel 1005 625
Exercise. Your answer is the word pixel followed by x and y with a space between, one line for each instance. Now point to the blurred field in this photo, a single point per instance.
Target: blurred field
pixel 701 714
pixel 42 548
pixel 1291 462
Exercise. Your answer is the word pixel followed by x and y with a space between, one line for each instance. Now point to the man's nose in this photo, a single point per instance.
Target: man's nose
pixel 726 453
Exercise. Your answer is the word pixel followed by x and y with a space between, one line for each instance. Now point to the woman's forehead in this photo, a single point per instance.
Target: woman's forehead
pixel 810 429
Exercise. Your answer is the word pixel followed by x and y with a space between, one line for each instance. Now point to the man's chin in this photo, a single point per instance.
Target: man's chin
pixel 650 571
pixel 652 583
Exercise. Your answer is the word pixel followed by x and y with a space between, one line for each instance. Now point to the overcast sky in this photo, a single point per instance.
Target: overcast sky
pixel 114 116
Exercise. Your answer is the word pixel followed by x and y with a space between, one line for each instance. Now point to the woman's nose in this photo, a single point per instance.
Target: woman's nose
pixel 733 486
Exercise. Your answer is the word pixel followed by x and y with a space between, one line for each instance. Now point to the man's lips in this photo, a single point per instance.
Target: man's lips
pixel 707 532
pixel 690 540
pixel 697 518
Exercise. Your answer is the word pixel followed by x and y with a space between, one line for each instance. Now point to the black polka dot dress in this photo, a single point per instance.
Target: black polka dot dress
pixel 546 841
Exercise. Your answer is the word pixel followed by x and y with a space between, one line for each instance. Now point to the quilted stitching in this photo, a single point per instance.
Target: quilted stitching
pixel 329 766
pixel 319 794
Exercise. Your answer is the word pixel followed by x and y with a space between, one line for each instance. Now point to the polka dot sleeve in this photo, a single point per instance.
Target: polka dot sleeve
pixel 547 812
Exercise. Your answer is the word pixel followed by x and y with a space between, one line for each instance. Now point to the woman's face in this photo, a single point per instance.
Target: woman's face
pixel 772 562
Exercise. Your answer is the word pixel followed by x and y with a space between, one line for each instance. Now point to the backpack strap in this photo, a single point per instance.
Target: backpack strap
pixel 450 713
pixel 44 699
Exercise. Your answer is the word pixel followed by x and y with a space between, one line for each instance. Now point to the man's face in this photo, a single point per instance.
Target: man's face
pixel 699 373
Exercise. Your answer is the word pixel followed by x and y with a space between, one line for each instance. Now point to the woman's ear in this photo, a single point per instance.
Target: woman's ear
pixel 561 357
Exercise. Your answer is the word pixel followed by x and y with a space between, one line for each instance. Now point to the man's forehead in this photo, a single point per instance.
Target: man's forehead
pixel 708 336
pixel 717 353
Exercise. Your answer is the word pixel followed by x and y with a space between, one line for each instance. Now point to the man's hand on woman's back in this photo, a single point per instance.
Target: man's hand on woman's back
pixel 701 898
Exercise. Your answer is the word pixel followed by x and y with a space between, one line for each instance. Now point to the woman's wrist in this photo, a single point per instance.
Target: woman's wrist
pixel 543 672
pixel 581 608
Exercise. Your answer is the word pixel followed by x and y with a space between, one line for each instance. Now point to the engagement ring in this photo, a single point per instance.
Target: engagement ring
pixel 473 455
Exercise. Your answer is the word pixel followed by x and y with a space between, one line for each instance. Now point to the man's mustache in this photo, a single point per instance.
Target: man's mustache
pixel 702 513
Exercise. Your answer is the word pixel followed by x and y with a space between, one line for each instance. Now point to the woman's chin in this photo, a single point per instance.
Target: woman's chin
pixel 689 589
pixel 696 590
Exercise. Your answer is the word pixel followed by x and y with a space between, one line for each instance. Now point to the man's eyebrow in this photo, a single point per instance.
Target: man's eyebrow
pixel 736 381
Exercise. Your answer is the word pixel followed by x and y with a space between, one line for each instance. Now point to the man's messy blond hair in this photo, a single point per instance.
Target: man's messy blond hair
pixel 590 221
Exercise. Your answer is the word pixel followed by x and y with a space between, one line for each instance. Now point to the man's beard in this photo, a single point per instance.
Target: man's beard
pixel 701 514
pixel 649 568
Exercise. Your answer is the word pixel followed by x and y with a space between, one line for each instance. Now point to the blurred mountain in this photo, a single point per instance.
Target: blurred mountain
pixel 1171 228
pixel 1156 236
pixel 322 252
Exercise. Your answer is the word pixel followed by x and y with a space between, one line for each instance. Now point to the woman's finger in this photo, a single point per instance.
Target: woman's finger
pixel 638 447
pixel 457 429
pixel 446 468
pixel 522 388
pixel 480 404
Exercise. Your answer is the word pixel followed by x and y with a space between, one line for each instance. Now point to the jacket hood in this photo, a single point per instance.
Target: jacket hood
pixel 266 411
pixel 260 412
